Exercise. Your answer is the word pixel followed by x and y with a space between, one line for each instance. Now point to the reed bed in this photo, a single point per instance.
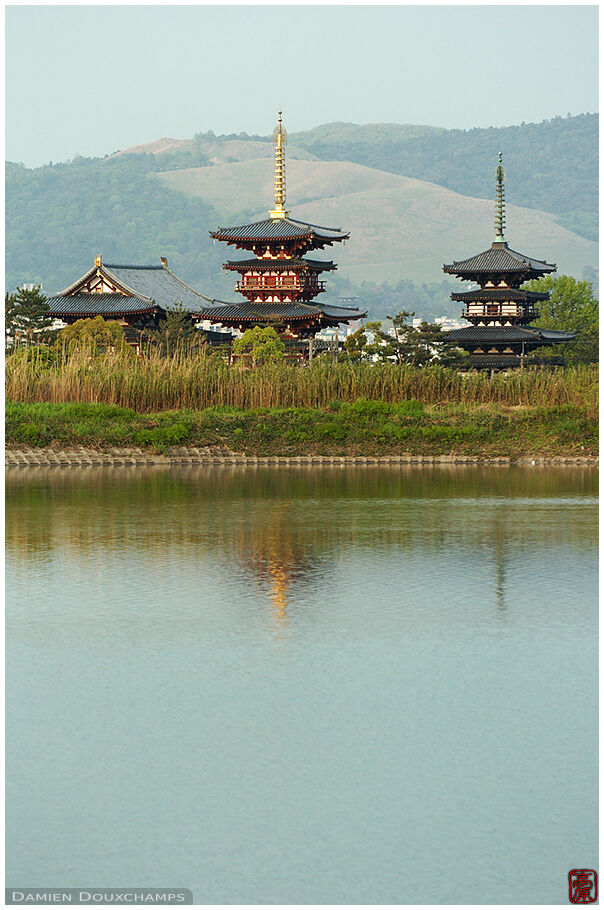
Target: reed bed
pixel 155 383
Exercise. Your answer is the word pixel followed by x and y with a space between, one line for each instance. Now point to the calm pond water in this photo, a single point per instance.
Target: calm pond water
pixel 303 686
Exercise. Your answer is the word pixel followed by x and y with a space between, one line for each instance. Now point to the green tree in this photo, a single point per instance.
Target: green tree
pixel 368 343
pixel 572 307
pixel 26 314
pixel 94 336
pixel 177 332
pixel 263 344
pixel 426 339
pixel 355 345
pixel 404 343
pixel 422 344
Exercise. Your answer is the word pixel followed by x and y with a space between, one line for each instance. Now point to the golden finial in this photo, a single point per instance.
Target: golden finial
pixel 98 261
pixel 279 140
pixel 499 202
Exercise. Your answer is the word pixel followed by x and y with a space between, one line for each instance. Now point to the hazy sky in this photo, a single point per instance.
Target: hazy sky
pixel 92 79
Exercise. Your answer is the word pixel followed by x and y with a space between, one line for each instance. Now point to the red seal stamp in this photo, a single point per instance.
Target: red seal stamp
pixel 582 886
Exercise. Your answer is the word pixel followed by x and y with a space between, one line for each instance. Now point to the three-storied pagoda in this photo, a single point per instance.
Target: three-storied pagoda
pixel 500 310
pixel 280 284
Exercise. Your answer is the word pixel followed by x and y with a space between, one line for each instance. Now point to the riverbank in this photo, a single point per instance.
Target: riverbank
pixel 184 456
pixel 406 430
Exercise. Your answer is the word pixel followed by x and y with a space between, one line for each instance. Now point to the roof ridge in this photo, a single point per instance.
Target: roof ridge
pixel 236 227
pixel 74 284
pixel 125 286
pixel 526 258
pixel 321 227
pixel 340 306
pixel 281 261
pixel 101 294
pixel 117 265
pixel 188 286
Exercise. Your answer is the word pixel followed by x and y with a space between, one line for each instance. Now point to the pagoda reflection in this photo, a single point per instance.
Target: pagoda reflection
pixel 279 556
pixel 282 527
pixel 189 552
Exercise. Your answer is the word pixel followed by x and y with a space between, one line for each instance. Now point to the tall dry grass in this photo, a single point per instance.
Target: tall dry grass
pixel 157 383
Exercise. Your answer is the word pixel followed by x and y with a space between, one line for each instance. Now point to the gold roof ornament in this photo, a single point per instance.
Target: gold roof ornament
pixel 279 141
pixel 499 202
pixel 98 261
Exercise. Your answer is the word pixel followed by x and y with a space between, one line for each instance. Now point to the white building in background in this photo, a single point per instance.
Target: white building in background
pixel 209 326
pixel 340 332
pixel 445 322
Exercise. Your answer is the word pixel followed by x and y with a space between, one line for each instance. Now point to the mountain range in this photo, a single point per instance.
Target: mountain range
pixel 412 198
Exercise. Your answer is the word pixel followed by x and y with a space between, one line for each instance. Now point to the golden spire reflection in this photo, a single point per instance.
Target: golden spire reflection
pixel 279 586
pixel 279 141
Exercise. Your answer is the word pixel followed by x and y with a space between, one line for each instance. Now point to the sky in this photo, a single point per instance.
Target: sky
pixel 88 80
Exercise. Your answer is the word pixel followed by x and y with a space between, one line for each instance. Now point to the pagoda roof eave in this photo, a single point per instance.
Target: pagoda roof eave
pixel 258 312
pixel 235 313
pixel 279 229
pixel 263 265
pixel 497 294
pixel 85 305
pixel 494 334
pixel 499 259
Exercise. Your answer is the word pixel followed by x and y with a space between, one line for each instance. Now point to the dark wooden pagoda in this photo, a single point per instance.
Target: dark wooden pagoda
pixel 500 310
pixel 279 284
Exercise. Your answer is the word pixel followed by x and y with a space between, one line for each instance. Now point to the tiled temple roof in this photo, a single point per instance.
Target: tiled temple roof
pixel 147 288
pixel 346 314
pixel 98 304
pixel 494 334
pixel 499 294
pixel 275 229
pixel 500 259
pixel 157 283
pixel 254 312
pixel 259 311
pixel 275 265
pixel 144 288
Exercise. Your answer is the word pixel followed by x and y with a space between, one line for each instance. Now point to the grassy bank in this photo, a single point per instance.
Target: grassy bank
pixel 153 384
pixel 362 427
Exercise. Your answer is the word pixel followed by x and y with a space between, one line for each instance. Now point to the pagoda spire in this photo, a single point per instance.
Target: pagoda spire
pixel 499 202
pixel 279 140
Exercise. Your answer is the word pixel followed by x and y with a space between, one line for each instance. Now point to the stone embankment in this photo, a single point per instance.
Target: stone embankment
pixel 180 455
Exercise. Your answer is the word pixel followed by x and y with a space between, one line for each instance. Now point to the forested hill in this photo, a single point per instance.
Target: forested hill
pixel 162 199
pixel 552 165
pixel 59 217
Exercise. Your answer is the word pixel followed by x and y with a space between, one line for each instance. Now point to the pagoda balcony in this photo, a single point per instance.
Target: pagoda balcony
pixel 526 312
pixel 269 284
